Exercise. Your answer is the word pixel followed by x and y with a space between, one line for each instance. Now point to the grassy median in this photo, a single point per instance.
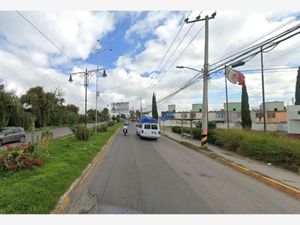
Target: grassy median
pixel 36 191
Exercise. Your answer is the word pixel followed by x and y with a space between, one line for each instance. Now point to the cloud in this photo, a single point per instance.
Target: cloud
pixel 27 59
pixel 75 32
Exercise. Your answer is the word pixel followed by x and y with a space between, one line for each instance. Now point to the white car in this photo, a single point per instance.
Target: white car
pixel 148 130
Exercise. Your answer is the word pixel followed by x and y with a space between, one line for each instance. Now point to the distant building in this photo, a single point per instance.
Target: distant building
pixel 274 106
pixel 293 119
pixel 234 113
pixel 118 108
pixel 197 107
pixel 271 116
pixel 233 106
pixel 172 108
pixel 216 116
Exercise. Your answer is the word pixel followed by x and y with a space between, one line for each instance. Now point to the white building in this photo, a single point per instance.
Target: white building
pixel 293 119
pixel 172 108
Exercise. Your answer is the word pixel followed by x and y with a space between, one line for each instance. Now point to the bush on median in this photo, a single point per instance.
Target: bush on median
pixel 102 128
pixel 81 133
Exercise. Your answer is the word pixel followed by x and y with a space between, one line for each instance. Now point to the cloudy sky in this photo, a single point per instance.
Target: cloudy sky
pixel 136 66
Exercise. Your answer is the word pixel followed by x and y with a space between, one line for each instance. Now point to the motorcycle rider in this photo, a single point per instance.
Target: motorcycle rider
pixel 125 128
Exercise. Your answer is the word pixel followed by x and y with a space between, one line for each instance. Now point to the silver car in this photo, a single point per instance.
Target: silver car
pixel 11 134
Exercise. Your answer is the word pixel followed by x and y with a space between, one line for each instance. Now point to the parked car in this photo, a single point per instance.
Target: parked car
pixel 11 134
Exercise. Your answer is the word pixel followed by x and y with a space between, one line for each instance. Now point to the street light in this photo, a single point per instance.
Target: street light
pixel 187 67
pixel 87 75
pixel 97 92
pixel 97 95
pixel 204 105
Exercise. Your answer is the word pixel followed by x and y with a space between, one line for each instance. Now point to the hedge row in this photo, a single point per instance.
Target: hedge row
pixel 196 132
pixel 271 147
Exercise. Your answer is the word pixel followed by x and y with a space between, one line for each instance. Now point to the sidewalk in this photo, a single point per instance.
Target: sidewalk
pixel 284 176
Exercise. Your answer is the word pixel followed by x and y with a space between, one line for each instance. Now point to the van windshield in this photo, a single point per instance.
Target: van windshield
pixel 154 127
pixel 147 126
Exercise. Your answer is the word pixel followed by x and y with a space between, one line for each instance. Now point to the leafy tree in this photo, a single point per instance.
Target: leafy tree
pixel 154 107
pixel 297 94
pixel 131 113
pixel 104 115
pixel 91 115
pixel 138 114
pixel 8 106
pixel 246 118
pixel 72 119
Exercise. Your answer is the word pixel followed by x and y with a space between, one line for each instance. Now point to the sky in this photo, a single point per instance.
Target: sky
pixel 136 66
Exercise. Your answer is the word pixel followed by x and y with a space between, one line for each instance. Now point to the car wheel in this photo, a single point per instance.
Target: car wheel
pixel 22 139
pixel 0 142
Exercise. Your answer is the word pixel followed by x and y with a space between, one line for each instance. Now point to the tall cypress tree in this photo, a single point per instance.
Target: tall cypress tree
pixel 154 107
pixel 297 93
pixel 246 118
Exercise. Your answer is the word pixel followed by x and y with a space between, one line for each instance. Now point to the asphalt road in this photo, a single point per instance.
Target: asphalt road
pixel 143 176
pixel 57 132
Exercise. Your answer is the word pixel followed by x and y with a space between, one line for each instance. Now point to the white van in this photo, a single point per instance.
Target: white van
pixel 148 130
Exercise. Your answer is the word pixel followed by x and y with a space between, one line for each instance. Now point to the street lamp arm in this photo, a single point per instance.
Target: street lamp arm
pixel 96 70
pixel 187 67
pixel 102 50
pixel 77 73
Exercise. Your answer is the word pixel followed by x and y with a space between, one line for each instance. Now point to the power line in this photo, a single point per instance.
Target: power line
pixel 45 36
pixel 169 48
pixel 181 54
pixel 173 53
pixel 243 55
pixel 257 39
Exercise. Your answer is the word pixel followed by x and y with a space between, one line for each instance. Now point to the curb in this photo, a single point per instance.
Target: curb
pixel 65 198
pixel 294 192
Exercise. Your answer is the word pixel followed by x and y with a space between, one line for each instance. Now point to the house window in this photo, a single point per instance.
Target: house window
pixel 234 109
pixel 275 109
pixel 298 112
pixel 271 115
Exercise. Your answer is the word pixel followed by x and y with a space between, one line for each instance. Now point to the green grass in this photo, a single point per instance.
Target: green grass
pixel 38 190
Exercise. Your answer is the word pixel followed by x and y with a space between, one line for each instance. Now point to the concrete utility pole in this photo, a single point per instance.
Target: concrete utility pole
pixel 97 95
pixel 205 78
pixel 141 104
pixel 263 87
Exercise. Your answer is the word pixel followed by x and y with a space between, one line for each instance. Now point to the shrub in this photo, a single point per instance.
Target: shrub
pixel 197 133
pixel 81 133
pixel 176 129
pixel 211 125
pixel 111 123
pixel 102 128
pixel 18 158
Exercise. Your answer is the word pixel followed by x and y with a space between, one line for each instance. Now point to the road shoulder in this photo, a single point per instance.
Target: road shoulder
pixel 294 192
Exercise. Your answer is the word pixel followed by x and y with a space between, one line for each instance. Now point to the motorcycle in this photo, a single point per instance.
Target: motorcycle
pixel 125 131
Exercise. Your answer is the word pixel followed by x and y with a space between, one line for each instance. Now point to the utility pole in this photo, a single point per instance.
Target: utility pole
pixel 226 90
pixel 205 78
pixel 141 105
pixel 85 96
pixel 263 87
pixel 97 95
